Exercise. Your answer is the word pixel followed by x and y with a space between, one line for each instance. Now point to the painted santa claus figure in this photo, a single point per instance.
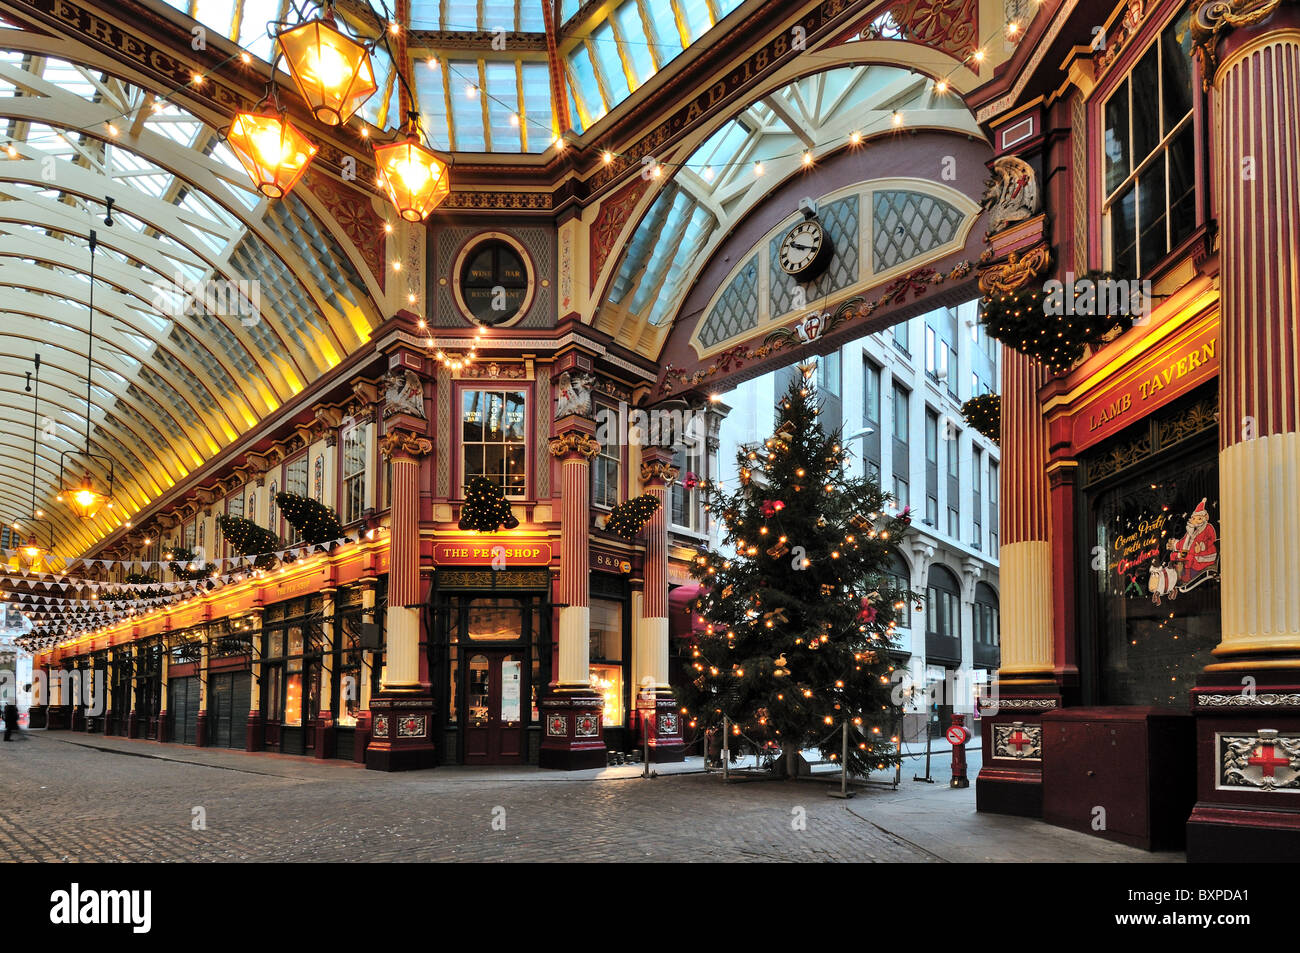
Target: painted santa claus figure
pixel 1195 550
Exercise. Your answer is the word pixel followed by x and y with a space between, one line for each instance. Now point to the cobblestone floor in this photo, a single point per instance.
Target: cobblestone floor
pixel 68 800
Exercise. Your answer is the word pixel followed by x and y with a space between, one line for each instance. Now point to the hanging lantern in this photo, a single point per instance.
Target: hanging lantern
pixel 85 498
pixel 331 70
pixel 33 550
pixel 271 150
pixel 415 178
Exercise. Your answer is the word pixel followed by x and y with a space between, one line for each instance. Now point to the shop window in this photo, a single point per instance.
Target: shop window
pixel 985 621
pixel 292 643
pixel 348 615
pixel 606 466
pixel 1149 153
pixel 1155 609
pixel 495 620
pixel 902 492
pixel 354 474
pixel 606 658
pixel 492 438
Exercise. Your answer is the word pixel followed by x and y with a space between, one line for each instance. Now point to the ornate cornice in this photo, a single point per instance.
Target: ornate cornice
pixel 656 471
pixel 1214 19
pixel 574 443
pixel 401 442
pixel 1241 700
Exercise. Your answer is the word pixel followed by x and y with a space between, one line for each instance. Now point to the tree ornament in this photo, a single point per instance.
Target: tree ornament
pixel 770 508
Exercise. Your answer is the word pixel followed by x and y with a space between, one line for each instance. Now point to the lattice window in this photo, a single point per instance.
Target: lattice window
pixel 737 309
pixel 906 225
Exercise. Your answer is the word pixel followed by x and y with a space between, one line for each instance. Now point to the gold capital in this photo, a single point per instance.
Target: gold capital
pixel 1218 17
pixel 574 443
pixel 656 471
pixel 402 442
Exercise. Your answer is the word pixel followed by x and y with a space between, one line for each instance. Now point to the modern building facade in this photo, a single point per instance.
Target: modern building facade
pixel 896 398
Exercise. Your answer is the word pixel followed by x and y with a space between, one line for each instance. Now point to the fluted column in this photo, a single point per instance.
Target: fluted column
pixel 255 730
pixel 404 450
pixel 401 735
pixel 1025 556
pixel 205 654
pixel 662 723
pixel 572 735
pixel 325 732
pixel 574 450
pixel 133 716
pixel 1252 55
pixel 1246 704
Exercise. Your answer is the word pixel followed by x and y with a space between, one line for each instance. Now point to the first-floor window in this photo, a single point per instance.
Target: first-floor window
pixel 605 467
pixel 492 438
pixel 354 474
pixel 686 511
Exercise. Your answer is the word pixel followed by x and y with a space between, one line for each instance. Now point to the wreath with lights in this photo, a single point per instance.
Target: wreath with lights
pixel 486 509
pixel 984 413
pixel 315 521
pixel 629 517
pixel 249 539
pixel 1017 319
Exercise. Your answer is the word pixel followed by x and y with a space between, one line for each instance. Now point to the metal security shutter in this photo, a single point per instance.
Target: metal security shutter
pixel 241 698
pixel 219 709
pixel 183 702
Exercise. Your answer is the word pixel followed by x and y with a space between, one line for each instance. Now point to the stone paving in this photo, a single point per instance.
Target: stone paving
pixel 75 797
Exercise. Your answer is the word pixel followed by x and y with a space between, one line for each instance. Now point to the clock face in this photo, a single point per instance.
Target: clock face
pixel 802 248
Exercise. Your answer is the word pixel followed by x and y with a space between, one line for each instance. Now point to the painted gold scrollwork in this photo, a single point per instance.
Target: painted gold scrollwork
pixel 574 442
pixel 402 442
pixel 1016 272
pixel 1217 17
pixel 654 470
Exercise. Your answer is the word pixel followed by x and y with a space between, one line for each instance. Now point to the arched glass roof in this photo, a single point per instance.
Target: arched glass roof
pixel 172 383
pixel 497 95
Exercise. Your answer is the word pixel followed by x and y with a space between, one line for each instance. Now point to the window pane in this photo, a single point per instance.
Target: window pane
pixel 1182 185
pixel 1176 49
pixel 1123 234
pixel 1117 162
pixel 1153 242
pixel 1145 84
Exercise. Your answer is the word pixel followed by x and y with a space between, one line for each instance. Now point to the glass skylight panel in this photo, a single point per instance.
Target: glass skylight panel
pixel 667 38
pixel 575 117
pixel 253 35
pixel 502 84
pixel 499 14
pixel 433 105
pixel 588 87
pixel 537 121
pixel 382 64
pixel 698 19
pixel 217 15
pixel 606 47
pixel 530 18
pixel 466 109
pixel 636 45
pixel 677 218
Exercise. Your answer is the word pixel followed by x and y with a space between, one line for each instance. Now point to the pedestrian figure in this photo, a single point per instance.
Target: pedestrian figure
pixel 11 719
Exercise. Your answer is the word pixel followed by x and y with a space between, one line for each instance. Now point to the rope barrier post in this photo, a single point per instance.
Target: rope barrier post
pixel 844 791
pixel 726 750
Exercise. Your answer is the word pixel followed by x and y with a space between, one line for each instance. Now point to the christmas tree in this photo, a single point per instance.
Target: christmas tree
pixel 315 521
pixel 798 616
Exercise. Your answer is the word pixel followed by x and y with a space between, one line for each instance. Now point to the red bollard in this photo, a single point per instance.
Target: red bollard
pixel 958 736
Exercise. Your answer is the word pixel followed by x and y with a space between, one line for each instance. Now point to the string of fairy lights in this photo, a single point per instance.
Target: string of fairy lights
pixel 1012 29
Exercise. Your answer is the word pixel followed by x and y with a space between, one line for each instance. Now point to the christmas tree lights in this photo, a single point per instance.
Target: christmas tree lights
pixel 984 413
pixel 486 509
pixel 316 522
pixel 248 539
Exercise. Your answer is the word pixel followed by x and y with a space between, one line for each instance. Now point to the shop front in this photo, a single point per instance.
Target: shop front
pixel 293 641
pixel 490 660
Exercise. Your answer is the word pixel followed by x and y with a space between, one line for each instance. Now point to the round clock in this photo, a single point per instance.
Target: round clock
pixel 806 250
pixel 493 283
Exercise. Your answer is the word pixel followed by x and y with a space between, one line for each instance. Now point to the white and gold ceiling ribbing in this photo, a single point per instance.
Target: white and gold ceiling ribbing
pixel 169 389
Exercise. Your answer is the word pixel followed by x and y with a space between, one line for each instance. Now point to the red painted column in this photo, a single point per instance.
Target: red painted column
pixel 571 709
pixel 1011 778
pixel 402 712
pixel 1249 698
pixel 656 703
